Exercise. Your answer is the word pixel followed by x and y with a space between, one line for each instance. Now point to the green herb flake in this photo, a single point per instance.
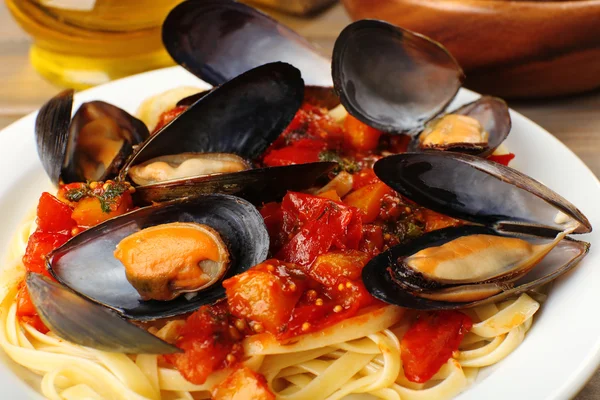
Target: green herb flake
pixel 110 195
pixel 77 194
pixel 344 164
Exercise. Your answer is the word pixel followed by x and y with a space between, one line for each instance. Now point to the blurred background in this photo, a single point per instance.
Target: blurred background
pixel 546 52
pixel 543 56
pixel 542 50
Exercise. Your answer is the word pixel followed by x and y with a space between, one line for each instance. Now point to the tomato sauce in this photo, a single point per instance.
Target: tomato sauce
pixel 430 342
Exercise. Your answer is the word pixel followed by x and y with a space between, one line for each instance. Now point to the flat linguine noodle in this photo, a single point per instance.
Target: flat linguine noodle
pixel 358 355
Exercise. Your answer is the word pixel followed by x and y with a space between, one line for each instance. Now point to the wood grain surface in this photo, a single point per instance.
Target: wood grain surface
pixel 516 49
pixel 573 120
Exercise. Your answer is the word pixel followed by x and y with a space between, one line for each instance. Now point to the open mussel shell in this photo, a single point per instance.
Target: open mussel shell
pixel 101 138
pixel 255 185
pixel 393 79
pixel 218 40
pixel 243 116
pixel 86 263
pixel 90 147
pixel 52 133
pixel 481 191
pixel 86 323
pixel 382 273
pixel 493 115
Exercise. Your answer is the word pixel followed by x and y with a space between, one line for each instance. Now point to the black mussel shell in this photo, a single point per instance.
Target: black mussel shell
pixel 70 149
pixel 255 185
pixel 393 79
pixel 219 40
pixel 477 190
pixel 188 101
pixel 86 323
pixel 493 115
pixel 52 133
pixel 382 273
pixel 243 116
pixel 86 263
pixel 99 125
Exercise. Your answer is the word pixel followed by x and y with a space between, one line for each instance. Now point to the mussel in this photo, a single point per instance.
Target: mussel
pixel 399 81
pixel 90 147
pixel 514 239
pixel 218 40
pixel 100 265
pixel 210 147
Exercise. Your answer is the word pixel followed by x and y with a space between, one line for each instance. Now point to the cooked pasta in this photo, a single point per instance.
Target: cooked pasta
pixel 358 355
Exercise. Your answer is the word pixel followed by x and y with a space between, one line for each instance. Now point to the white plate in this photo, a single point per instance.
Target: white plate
pixel 560 352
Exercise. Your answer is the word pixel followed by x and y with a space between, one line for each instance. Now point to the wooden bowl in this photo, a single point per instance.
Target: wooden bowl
pixel 512 49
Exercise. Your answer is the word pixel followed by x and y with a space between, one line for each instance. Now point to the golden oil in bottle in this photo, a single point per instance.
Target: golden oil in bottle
pixel 82 43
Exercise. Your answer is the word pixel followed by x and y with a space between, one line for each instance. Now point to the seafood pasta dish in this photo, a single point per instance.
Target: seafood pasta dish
pixel 269 239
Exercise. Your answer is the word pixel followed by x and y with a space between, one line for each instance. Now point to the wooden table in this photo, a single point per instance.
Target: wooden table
pixel 574 120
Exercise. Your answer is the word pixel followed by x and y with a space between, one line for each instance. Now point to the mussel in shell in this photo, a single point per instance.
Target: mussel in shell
pixel 518 241
pixel 210 147
pixel 399 81
pixel 90 147
pixel 225 235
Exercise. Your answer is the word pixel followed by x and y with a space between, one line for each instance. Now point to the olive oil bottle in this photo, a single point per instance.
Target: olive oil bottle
pixel 82 43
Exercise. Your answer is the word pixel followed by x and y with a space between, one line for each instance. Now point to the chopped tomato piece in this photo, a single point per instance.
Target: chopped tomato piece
pixel 266 293
pixel 168 116
pixel 503 159
pixel 312 122
pixel 300 152
pixel 316 225
pixel 434 221
pixel 90 211
pixel 208 344
pixel 430 342
pixel 243 384
pixel 351 295
pixel 368 200
pixel 372 239
pixel 40 244
pixel 360 136
pixel 327 308
pixel 26 311
pixel 273 216
pixel 53 215
pixel 329 268
pixel 363 178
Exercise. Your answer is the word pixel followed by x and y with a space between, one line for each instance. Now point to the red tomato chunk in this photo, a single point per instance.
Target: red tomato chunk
pixel 503 159
pixel 27 312
pixel 430 342
pixel 359 136
pixel 209 343
pixel 243 384
pixel 301 152
pixel 266 294
pixel 317 225
pixel 53 215
pixel 330 268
